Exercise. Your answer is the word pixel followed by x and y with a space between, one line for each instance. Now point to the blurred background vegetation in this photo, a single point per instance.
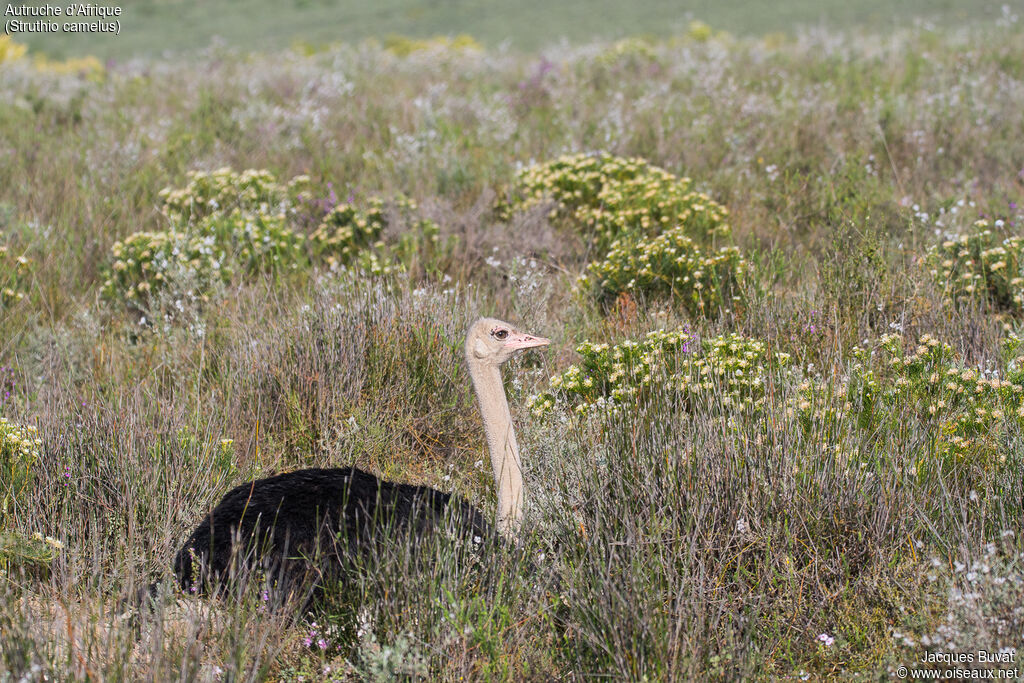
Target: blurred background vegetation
pixel 151 27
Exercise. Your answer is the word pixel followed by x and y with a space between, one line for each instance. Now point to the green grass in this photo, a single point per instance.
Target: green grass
pixel 823 528
pixel 150 27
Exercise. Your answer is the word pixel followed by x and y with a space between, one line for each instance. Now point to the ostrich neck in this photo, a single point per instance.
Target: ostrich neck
pixel 501 440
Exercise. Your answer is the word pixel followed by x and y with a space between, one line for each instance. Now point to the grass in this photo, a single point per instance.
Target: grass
pixel 854 516
pixel 150 27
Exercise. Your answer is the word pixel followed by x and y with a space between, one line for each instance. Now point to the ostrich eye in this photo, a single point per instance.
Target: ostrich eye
pixel 501 334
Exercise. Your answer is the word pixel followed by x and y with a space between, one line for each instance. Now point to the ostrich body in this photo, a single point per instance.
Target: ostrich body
pixel 280 522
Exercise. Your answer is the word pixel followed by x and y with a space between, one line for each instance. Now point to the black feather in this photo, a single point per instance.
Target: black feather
pixel 304 526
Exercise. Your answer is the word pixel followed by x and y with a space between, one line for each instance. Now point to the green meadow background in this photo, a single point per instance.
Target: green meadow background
pixel 154 26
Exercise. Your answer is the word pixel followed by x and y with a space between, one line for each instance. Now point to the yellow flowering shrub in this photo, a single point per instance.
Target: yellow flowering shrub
pixel 15 270
pixel 631 51
pixel 669 265
pixel 224 191
pixel 731 367
pixel 255 242
pixel 229 224
pixel 145 263
pixel 11 50
pixel 652 225
pixel 980 265
pixel 19 453
pixel 345 229
pixel 607 197
pixel 87 67
pixel 967 411
pixel 699 31
pixel 348 235
pixel 403 46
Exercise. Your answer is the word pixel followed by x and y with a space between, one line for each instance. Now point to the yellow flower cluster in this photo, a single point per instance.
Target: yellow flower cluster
pixel 14 272
pixel 653 225
pixel 731 367
pixel 48 540
pixel 634 51
pixel 10 50
pixel 403 46
pixel 17 548
pixel 145 263
pixel 980 265
pixel 255 241
pixel 228 222
pixel 349 235
pixel 608 197
pixel 88 67
pixel 16 440
pixel 671 265
pixel 967 410
pixel 19 452
pixel 223 191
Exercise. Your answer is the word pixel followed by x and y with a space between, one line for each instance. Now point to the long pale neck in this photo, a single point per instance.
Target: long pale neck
pixel 501 440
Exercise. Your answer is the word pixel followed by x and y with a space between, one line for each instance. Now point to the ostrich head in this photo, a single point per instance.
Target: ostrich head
pixel 492 342
pixel 489 343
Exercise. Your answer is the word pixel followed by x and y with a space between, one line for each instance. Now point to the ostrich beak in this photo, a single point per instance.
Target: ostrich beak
pixel 520 340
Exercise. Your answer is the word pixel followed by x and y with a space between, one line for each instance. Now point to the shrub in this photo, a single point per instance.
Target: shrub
pixel 24 552
pixel 967 412
pixel 607 197
pixel 669 265
pixel 223 191
pixel 19 453
pixel 146 262
pixel 255 242
pixel 631 51
pixel 14 274
pixel 403 46
pixel 980 266
pixel 346 230
pixel 732 367
pixel 245 223
pixel 86 67
pixel 349 235
pixel 10 50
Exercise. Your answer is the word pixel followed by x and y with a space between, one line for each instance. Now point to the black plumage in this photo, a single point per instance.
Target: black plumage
pixel 302 527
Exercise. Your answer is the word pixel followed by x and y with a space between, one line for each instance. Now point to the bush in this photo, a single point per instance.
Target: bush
pixel 10 50
pixel 607 198
pixel 145 263
pixel 403 46
pixel 968 412
pixel 980 266
pixel 19 453
pixel 256 242
pixel 733 367
pixel 348 235
pixel 670 265
pixel 245 223
pixel 651 223
pixel 223 191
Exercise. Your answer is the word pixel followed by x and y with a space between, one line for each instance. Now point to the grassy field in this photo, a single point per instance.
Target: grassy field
pixel 777 434
pixel 150 27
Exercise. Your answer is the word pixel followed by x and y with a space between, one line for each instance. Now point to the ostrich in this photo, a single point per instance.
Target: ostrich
pixel 279 522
